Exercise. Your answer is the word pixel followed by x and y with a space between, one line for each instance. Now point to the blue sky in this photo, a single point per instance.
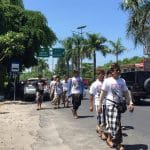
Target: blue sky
pixel 100 16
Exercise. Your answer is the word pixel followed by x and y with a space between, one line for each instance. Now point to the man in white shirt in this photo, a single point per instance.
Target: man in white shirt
pixel 95 90
pixel 76 91
pixel 113 89
pixel 65 85
pixel 52 87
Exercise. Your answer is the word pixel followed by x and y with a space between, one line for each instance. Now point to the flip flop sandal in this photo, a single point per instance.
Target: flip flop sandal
pixel 103 137
pixel 120 147
pixel 111 146
pixel 98 132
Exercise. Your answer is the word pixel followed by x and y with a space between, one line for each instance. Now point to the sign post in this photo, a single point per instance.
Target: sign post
pixel 15 71
pixel 58 52
pixel 43 53
pixel 14 76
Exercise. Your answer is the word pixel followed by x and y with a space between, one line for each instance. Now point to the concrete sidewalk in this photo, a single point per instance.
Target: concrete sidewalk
pixel 25 128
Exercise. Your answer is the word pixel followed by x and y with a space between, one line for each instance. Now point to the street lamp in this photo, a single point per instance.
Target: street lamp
pixel 79 43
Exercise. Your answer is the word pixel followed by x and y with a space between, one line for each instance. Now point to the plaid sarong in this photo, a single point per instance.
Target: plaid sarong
pixel 113 123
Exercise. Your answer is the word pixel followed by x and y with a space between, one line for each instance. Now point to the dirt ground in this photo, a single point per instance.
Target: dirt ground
pixel 18 125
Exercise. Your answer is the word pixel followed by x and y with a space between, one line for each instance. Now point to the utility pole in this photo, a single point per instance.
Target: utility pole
pixel 79 46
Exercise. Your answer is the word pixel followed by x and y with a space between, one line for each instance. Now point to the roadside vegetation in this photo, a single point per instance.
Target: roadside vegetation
pixel 23 33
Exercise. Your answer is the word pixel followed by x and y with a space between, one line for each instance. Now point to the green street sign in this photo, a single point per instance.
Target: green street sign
pixel 43 53
pixel 58 52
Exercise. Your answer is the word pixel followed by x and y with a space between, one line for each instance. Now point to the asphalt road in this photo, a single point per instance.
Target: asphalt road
pixel 80 133
pixel 55 129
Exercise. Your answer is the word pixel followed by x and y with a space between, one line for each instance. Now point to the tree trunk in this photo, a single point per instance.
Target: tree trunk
pixel 117 58
pixel 68 73
pixel 94 67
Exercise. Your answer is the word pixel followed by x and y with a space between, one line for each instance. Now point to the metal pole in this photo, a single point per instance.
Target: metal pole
pixel 79 46
pixel 14 86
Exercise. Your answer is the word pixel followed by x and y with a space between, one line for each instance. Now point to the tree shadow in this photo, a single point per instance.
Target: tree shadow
pixel 44 108
pixel 136 147
pixel 88 116
pixel 4 112
pixel 18 102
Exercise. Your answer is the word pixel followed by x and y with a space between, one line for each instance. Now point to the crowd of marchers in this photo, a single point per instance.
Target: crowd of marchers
pixel 109 93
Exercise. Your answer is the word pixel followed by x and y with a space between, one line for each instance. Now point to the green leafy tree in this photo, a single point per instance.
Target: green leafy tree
pixel 72 51
pixel 33 26
pixel 61 68
pixel 95 42
pixel 13 2
pixel 138 27
pixel 68 45
pixel 11 45
pixel 22 34
pixel 117 48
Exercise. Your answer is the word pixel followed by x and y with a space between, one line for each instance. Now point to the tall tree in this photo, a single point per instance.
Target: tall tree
pixel 95 42
pixel 138 26
pixel 32 25
pixel 117 48
pixel 22 33
pixel 41 67
pixel 13 2
pixel 72 50
pixel 68 45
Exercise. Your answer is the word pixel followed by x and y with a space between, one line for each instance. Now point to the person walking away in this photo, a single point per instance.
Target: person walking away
pixel 113 89
pixel 39 91
pixel 65 85
pixel 94 91
pixel 76 91
pixel 46 90
pixel 52 87
pixel 57 93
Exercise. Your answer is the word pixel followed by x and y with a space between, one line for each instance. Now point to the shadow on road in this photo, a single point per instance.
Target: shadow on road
pixel 86 116
pixel 136 147
pixel 144 103
pixel 18 102
pixel 127 127
pixel 44 108
pixel 85 98
pixel 4 112
pixel 124 128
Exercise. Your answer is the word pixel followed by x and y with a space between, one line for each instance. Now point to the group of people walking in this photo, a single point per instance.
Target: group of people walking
pixel 63 92
pixel 108 92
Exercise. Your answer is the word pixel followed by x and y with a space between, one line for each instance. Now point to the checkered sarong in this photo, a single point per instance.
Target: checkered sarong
pixel 113 122
pixel 101 120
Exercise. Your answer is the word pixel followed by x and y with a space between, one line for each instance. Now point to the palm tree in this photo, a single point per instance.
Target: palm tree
pixel 68 45
pixel 72 51
pixel 41 67
pixel 117 48
pixel 139 19
pixel 95 42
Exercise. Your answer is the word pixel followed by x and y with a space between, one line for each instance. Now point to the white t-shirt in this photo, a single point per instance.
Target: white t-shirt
pixel 114 89
pixel 52 84
pixel 95 90
pixel 65 85
pixel 76 85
